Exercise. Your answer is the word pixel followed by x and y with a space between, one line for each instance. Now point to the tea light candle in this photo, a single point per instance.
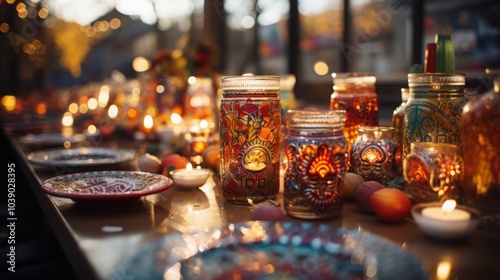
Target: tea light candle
pixel 189 177
pixel 447 221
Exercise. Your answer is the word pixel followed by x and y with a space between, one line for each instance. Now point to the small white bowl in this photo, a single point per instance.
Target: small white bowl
pixel 445 229
pixel 190 180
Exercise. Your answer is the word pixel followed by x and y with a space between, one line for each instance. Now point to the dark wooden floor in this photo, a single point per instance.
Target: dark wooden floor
pixel 38 254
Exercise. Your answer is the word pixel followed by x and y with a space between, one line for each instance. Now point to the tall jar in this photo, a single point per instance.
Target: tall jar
pixel 481 141
pixel 433 172
pixel 433 110
pixel 315 162
pixel 375 155
pixel 355 93
pixel 398 116
pixel 250 131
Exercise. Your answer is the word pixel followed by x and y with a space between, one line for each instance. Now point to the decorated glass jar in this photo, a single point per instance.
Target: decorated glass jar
pixel 433 110
pixel 355 93
pixel 375 155
pixel 433 172
pixel 250 131
pixel 398 116
pixel 481 153
pixel 315 162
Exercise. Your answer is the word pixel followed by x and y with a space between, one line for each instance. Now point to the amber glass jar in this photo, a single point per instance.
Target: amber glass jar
pixel 355 93
pixel 481 153
pixel 250 131
pixel 315 161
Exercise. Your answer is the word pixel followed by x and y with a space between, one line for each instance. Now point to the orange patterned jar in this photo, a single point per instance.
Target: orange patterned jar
pixel 315 161
pixel 250 131
pixel 355 93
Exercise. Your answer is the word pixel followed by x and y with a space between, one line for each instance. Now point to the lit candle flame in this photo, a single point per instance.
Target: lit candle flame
pixel 148 122
pixel 189 167
pixel 448 206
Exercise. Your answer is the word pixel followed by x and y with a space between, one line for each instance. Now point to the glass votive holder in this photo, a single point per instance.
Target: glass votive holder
pixel 376 155
pixel 315 161
pixel 433 172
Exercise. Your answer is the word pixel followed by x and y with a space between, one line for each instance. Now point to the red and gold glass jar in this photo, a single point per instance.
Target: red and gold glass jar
pixel 376 155
pixel 355 93
pixel 315 161
pixel 250 131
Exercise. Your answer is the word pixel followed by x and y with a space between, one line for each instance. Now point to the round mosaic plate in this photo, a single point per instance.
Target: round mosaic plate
pixel 271 250
pixel 80 157
pixel 106 185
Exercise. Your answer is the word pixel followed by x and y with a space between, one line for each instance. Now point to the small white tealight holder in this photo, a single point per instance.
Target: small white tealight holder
pixel 189 177
pixel 447 220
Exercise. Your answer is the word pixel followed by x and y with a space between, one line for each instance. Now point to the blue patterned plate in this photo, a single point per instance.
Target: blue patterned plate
pixel 271 250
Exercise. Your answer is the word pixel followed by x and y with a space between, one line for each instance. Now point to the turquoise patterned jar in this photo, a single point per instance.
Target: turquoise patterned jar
pixel 433 110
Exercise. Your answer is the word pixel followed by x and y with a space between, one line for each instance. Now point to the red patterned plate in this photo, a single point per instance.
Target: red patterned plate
pixel 106 185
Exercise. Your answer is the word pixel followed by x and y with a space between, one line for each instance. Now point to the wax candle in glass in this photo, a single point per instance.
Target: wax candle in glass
pixel 375 155
pixel 355 93
pixel 250 131
pixel 315 161
pixel 433 172
pixel 189 177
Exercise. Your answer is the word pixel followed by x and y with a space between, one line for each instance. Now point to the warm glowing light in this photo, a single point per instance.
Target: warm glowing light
pixel 151 111
pixel 192 80
pixel 203 124
pixel 443 270
pixel 449 205
pixel 67 119
pixel 92 129
pixel 41 109
pixel 20 7
pixel 67 144
pixel 199 100
pixel 189 167
pixel 321 68
pixel 131 113
pixel 11 1
pixel 103 97
pixel 23 14
pixel 113 111
pixel 176 118
pixel 140 64
pixel 92 103
pixel 83 108
pixel 115 23
pixel 148 122
pixel 103 26
pixel 73 108
pixel 9 102
pixel 136 91
pixel 43 13
pixel 160 89
pixel 4 27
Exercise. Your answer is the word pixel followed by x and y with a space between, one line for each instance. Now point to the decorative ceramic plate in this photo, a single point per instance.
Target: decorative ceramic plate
pixel 106 185
pixel 271 250
pixel 80 157
pixel 50 139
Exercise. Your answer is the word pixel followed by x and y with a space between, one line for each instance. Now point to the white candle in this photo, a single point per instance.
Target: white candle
pixel 189 177
pixel 447 212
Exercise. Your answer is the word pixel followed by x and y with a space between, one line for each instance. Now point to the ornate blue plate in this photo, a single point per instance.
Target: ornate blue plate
pixel 80 157
pixel 271 250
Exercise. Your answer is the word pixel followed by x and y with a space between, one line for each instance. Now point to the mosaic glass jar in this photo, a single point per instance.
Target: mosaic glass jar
pixel 481 153
pixel 433 110
pixel 375 155
pixel 433 172
pixel 250 131
pixel 355 93
pixel 315 161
